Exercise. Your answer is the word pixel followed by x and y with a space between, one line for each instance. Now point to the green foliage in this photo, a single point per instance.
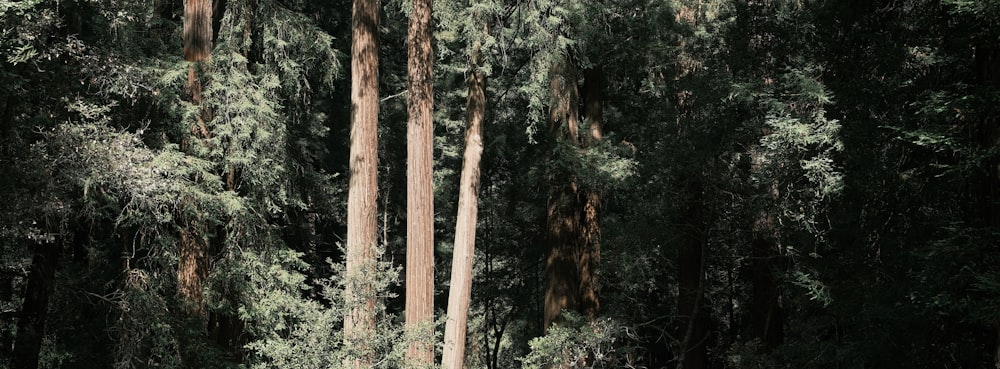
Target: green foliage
pixel 573 342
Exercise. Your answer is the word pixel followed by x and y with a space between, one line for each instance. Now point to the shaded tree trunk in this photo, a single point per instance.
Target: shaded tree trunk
pixel 562 212
pixel 362 223
pixel 767 314
pixel 419 187
pixel 31 322
pixel 691 278
pixel 460 292
pixel 590 231
pixel 987 67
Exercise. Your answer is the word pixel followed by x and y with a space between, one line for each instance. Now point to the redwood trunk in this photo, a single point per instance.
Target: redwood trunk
pixel 31 323
pixel 590 232
pixel 419 188
pixel 362 226
pixel 197 29
pixel 465 228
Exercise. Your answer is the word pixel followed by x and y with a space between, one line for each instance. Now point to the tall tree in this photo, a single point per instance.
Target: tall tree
pixel 362 226
pixel 420 187
pixel 460 291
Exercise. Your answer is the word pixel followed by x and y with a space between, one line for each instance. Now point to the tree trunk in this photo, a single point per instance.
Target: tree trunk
pixel 766 311
pixel 562 290
pixel 419 188
pixel 192 272
pixel 460 291
pixel 987 65
pixel 691 277
pixel 590 231
pixel 31 323
pixel 197 30
pixel 362 224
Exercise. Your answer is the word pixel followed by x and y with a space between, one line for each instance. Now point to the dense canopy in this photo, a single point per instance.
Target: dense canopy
pixel 684 184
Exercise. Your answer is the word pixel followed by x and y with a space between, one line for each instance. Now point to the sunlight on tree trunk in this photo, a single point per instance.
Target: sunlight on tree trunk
pixel 362 226
pixel 460 292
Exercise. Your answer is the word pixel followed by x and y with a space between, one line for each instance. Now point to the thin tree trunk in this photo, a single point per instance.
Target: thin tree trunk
pixel 465 228
pixel 362 223
pixel 31 323
pixel 197 30
pixel 419 188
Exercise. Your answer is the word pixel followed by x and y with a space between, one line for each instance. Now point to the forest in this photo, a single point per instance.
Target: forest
pixel 493 184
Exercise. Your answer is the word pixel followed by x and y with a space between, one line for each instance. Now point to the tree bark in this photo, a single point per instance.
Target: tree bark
pixel 419 188
pixel 460 291
pixel 197 30
pixel 31 323
pixel 987 66
pixel 362 224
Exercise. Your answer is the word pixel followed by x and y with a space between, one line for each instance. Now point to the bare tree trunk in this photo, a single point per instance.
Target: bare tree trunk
pixel 362 223
pixel 987 65
pixel 465 228
pixel 420 188
pixel 197 30
pixel 31 323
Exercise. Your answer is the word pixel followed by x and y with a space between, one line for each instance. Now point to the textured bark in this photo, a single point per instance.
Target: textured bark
pixel 460 291
pixel 691 278
pixel 419 187
pixel 31 322
pixel 192 272
pixel 197 30
pixel 362 223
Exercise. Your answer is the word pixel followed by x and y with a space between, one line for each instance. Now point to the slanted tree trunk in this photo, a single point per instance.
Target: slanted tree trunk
pixel 362 223
pixel 31 322
pixel 419 188
pixel 197 30
pixel 460 291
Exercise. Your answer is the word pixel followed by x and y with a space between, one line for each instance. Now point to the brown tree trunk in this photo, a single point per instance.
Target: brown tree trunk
pixel 419 188
pixel 460 291
pixel 691 277
pixel 192 272
pixel 197 30
pixel 362 223
pixel 31 323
